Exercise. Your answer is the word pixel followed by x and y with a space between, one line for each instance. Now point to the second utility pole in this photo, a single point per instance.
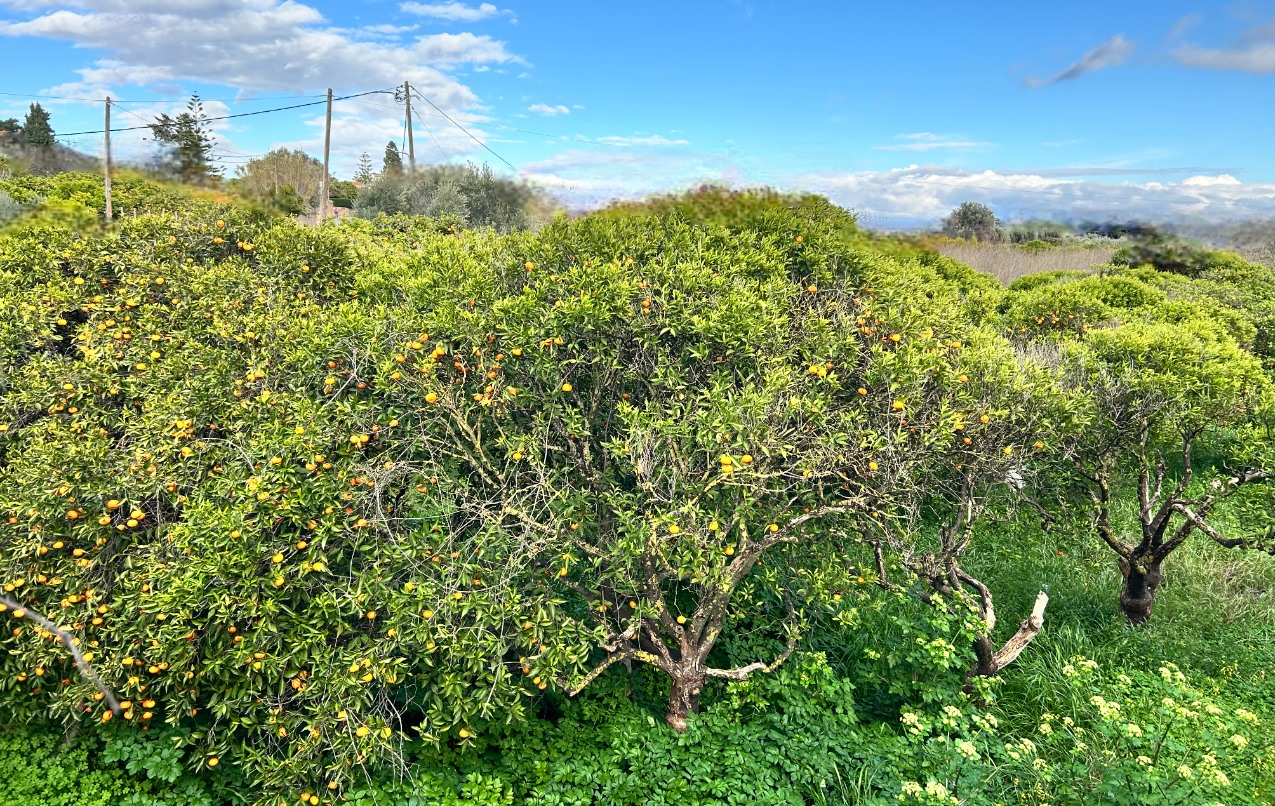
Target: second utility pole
pixel 327 146
pixel 106 163
pixel 411 147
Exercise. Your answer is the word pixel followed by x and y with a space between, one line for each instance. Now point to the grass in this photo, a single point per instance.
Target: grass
pixel 1008 262
pixel 1214 615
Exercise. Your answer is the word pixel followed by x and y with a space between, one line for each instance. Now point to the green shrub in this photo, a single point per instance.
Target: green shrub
pixel 9 208
pixel 39 765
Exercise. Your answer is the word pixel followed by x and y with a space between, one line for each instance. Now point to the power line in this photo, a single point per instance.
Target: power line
pixel 430 132
pixel 557 137
pixel 462 128
pixel 228 117
pixel 134 114
pixel 50 97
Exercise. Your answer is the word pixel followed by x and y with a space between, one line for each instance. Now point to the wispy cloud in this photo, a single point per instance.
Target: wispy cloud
pixel 385 31
pixel 453 12
pixel 652 140
pixel 928 141
pixel 1180 28
pixel 1100 170
pixel 549 111
pixel 1254 52
pixel 1259 59
pixel 1115 51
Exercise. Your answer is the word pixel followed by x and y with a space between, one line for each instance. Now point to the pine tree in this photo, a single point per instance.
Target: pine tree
pixel 190 142
pixel 36 130
pixel 393 162
pixel 364 173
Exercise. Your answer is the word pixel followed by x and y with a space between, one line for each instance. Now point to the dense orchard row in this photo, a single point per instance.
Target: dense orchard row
pixel 307 494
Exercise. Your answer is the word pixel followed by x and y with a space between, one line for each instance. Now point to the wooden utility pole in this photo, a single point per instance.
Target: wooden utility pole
pixel 411 147
pixel 327 148
pixel 106 163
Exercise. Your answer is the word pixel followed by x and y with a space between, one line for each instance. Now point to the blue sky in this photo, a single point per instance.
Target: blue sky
pixel 898 111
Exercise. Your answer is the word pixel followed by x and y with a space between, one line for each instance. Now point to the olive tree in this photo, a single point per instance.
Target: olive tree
pixel 971 220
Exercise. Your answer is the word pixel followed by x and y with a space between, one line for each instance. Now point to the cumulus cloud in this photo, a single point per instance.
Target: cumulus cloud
pixel 928 141
pixel 275 45
pixel 549 111
pixel 453 12
pixel 583 179
pixel 358 126
pixel 921 195
pixel 918 195
pixel 251 46
pixel 1115 51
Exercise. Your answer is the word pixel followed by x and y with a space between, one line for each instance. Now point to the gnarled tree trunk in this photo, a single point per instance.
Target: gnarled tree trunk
pixel 989 660
pixel 1142 577
pixel 683 698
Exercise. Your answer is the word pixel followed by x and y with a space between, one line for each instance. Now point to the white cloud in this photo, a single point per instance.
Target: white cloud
pixel 1183 25
pixel 1253 52
pixel 274 45
pixel 918 195
pixel 652 140
pixel 1113 52
pixel 456 12
pixel 549 111
pixel 589 178
pixel 922 195
pixel 268 46
pixel 1258 58
pixel 928 141
pixel 386 31
pixel 1211 181
pixel 358 127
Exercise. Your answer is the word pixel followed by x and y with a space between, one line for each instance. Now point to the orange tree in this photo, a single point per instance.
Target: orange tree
pixel 302 493
pixel 1174 412
pixel 186 429
pixel 652 412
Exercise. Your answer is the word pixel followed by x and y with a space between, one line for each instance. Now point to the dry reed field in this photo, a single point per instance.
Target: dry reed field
pixel 1007 262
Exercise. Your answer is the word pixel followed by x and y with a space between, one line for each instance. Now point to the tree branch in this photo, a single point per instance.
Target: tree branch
pixel 1027 630
pixel 21 611
pixel 742 672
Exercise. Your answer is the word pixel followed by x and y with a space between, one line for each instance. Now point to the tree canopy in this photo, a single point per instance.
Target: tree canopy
pixel 392 163
pixel 188 143
pixel 971 220
pixel 36 129
pixel 282 172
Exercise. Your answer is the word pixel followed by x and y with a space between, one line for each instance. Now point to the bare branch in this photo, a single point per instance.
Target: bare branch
pixel 742 672
pixel 21 611
pixel 1102 498
pixel 1027 630
pixel 986 609
pixel 1228 542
